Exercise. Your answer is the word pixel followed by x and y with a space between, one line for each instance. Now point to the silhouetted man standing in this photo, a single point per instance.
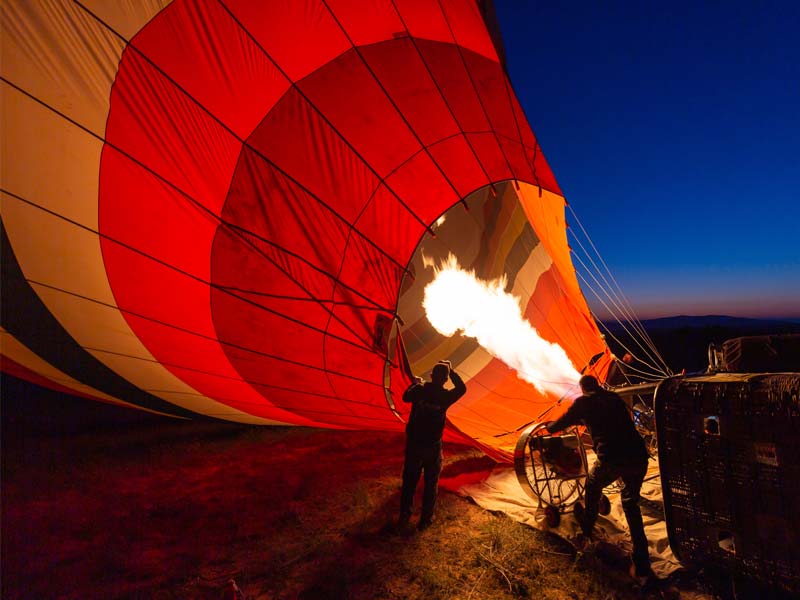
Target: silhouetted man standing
pixel 621 453
pixel 429 403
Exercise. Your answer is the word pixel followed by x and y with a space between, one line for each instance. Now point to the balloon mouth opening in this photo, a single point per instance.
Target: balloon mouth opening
pixel 474 274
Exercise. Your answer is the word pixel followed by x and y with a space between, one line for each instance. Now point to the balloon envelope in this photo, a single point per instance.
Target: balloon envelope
pixel 211 207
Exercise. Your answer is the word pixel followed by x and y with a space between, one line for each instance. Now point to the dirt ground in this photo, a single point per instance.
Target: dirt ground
pixel 178 509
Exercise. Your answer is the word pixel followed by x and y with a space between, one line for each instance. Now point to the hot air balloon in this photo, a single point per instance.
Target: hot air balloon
pixel 225 208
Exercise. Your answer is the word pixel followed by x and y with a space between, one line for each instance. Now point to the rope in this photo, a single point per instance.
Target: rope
pixel 626 302
pixel 613 314
pixel 607 307
pixel 616 300
pixel 655 368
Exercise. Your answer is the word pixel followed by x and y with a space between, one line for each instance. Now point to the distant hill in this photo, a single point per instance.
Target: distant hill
pixel 738 323
pixel 683 340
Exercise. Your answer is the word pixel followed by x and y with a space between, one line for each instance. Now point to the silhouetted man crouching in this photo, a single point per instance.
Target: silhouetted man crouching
pixel 621 453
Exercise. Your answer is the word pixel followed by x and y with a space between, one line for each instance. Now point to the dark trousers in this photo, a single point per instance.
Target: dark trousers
pixel 419 459
pixel 601 475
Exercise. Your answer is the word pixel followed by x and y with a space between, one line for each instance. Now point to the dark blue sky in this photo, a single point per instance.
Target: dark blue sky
pixel 674 132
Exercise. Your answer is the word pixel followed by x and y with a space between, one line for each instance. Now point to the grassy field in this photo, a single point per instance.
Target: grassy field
pixel 176 510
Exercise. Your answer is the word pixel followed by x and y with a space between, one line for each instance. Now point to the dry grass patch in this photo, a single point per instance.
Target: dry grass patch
pixel 173 512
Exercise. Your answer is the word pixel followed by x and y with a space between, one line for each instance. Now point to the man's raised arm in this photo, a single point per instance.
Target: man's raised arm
pixel 459 387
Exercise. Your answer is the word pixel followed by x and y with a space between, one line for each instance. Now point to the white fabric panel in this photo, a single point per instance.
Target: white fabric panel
pixel 538 262
pixel 49 161
pixel 56 252
pixel 57 52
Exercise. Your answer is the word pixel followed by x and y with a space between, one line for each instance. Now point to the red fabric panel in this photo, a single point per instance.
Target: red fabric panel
pixel 254 327
pixel 402 72
pixel 367 22
pixel 524 126
pixel 262 370
pixel 390 226
pixel 362 366
pixel 342 357
pixel 316 409
pixel 461 164
pixel 519 158
pixel 490 155
pixel 283 284
pixel 372 275
pixel 146 287
pixel 469 30
pixel 302 144
pixel 490 81
pixel 343 420
pixel 165 130
pixel 545 174
pixel 139 286
pixel 170 134
pixel 423 187
pixel 351 99
pixel 186 346
pixel 220 66
pixel 422 22
pixel 370 272
pixel 264 201
pixel 140 210
pixel 453 80
pixel 353 324
pixel 299 35
pixel 425 20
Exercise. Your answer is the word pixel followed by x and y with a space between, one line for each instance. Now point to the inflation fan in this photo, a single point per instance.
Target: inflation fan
pixel 552 469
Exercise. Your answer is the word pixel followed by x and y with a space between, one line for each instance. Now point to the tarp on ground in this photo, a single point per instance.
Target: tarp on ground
pixel 501 492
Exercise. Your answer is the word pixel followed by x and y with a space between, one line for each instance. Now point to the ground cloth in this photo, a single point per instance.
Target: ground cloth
pixel 501 491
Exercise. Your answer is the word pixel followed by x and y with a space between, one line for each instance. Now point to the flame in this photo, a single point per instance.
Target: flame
pixel 456 300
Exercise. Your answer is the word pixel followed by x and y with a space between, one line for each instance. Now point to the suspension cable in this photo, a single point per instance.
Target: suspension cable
pixel 655 368
pixel 633 337
pixel 623 309
pixel 624 300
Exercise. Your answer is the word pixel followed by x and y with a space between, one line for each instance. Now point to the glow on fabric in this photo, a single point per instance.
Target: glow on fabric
pixel 213 207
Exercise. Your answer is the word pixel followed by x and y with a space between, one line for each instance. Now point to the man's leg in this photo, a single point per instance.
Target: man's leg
pixel 412 469
pixel 599 477
pixel 632 478
pixel 432 466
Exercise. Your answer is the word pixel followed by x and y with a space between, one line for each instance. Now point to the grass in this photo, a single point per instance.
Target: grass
pixel 175 511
